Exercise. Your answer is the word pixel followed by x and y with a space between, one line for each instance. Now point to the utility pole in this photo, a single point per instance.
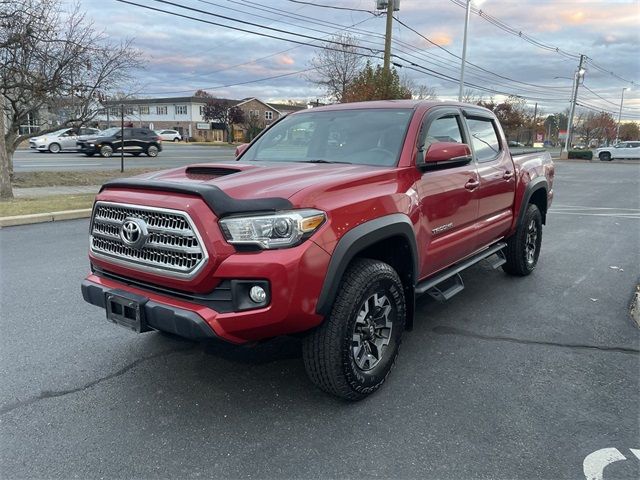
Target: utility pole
pixel 620 116
pixel 387 36
pixel 574 97
pixel 464 50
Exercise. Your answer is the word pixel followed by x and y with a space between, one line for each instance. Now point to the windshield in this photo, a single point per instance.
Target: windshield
pixel 358 136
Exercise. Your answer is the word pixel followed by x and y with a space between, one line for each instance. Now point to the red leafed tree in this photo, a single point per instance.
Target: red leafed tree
pixel 222 111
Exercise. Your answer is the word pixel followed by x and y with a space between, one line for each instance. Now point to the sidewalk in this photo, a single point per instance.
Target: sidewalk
pixel 35 192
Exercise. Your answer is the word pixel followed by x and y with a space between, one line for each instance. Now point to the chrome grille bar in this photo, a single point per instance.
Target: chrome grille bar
pixel 173 246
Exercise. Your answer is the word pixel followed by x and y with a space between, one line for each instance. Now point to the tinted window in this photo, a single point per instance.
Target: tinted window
pixel 484 138
pixel 444 129
pixel 128 134
pixel 359 136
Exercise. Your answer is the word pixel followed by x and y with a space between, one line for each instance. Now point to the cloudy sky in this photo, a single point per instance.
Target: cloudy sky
pixel 186 54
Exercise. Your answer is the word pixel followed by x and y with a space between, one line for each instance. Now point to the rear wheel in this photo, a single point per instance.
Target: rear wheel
pixel 106 151
pixel 152 151
pixel 176 139
pixel 605 156
pixel 55 148
pixel 523 248
pixel 351 354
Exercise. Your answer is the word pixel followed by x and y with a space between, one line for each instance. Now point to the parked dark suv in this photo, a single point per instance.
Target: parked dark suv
pixel 136 141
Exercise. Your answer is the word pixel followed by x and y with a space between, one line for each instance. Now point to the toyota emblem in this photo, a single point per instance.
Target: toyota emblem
pixel 133 232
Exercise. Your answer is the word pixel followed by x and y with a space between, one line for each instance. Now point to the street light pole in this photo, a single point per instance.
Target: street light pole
pixel 464 50
pixel 620 116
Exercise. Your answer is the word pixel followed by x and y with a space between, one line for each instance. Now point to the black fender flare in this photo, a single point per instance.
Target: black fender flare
pixel 533 186
pixel 356 240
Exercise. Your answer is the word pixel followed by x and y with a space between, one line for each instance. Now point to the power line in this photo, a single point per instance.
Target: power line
pixel 176 14
pixel 332 6
pixel 519 33
pixel 217 87
pixel 473 64
pixel 609 101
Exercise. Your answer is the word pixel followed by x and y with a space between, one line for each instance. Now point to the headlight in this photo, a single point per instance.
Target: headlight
pixel 279 230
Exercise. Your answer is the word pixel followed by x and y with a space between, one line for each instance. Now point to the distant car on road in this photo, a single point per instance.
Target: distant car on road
pixel 136 141
pixel 63 139
pixel 621 150
pixel 169 135
pixel 513 143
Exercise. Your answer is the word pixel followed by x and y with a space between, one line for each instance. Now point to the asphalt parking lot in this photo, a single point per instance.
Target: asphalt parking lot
pixel 511 379
pixel 172 155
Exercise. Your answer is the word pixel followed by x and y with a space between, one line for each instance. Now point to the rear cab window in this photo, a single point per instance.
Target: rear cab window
pixel 484 138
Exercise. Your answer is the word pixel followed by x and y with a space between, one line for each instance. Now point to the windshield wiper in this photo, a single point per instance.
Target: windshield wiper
pixel 319 160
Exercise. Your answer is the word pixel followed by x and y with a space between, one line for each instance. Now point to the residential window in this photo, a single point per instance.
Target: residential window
pixel 114 111
pixel 201 109
pixel 128 111
pixel 144 109
pixel 254 113
pixel 181 109
pixel 268 115
pixel 161 110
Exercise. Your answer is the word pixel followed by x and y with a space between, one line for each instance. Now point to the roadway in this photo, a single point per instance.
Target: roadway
pixel 172 155
pixel 514 378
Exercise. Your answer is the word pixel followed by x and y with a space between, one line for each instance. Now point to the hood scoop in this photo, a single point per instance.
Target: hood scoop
pixel 201 172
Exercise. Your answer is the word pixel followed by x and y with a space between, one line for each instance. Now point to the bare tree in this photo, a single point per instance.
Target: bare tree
pixel 336 69
pixel 418 92
pixel 51 58
pixel 471 96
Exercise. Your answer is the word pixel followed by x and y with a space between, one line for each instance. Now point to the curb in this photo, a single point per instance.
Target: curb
pixel 44 217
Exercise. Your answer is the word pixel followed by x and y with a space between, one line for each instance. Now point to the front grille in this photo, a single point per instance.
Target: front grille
pixel 170 243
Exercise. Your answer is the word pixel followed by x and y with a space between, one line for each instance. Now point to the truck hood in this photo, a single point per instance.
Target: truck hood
pixel 272 179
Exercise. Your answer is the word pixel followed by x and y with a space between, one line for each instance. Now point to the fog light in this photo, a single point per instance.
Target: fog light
pixel 257 294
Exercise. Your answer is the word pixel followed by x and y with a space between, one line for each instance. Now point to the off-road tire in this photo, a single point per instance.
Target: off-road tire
pixel 604 157
pixel 519 263
pixel 328 351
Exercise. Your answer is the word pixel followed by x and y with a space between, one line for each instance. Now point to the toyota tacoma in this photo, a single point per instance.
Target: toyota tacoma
pixel 327 226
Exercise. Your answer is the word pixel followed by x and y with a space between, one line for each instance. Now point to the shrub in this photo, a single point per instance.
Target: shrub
pixel 581 154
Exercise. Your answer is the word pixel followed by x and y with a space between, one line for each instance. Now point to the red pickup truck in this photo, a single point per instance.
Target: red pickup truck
pixel 328 226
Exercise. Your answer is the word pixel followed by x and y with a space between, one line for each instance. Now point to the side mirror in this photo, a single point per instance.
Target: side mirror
pixel 241 148
pixel 445 154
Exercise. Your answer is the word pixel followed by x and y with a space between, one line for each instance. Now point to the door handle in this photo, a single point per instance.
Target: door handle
pixel 507 175
pixel 472 184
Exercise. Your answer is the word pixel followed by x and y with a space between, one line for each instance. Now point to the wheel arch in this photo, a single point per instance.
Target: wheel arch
pixel 390 239
pixel 535 193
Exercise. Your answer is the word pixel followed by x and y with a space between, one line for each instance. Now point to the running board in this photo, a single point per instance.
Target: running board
pixel 441 291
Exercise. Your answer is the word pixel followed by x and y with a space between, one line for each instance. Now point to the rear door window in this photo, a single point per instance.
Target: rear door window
pixel 484 138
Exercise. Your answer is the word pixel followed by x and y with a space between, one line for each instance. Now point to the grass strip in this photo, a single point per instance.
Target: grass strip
pixel 71 178
pixel 53 203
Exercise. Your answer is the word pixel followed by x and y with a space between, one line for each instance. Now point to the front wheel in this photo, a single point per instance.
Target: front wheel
pixel 55 148
pixel 351 354
pixel 106 151
pixel 605 156
pixel 523 247
pixel 152 151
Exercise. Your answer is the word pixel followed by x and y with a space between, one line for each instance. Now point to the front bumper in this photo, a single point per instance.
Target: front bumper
pixel 174 320
pixel 86 148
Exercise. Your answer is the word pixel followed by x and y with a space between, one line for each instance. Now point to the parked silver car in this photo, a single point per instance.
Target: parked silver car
pixel 169 135
pixel 64 139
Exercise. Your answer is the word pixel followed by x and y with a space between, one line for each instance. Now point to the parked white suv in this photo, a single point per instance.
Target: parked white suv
pixel 64 139
pixel 169 135
pixel 621 150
